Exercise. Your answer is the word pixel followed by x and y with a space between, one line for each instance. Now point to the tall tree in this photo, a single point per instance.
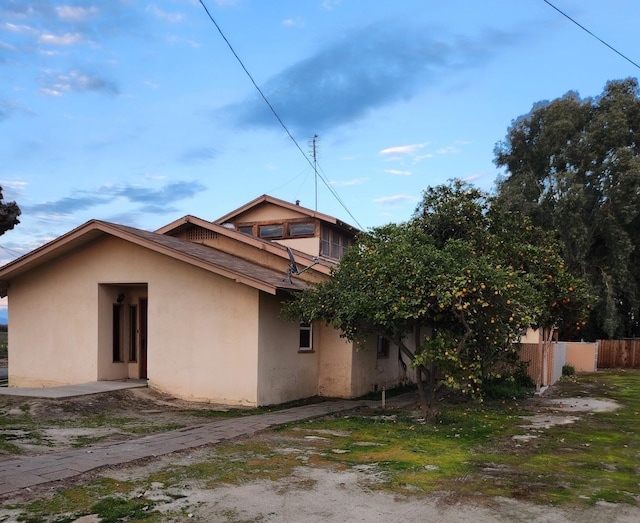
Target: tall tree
pixel 9 212
pixel 573 165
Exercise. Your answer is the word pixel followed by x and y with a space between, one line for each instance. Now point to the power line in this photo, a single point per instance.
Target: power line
pixel 593 35
pixel 331 189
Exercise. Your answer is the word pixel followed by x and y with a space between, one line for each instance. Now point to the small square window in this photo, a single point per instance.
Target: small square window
pixel 306 337
pixel 246 229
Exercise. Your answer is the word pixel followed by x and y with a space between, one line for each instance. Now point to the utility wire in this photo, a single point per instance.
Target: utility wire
pixel 331 189
pixel 594 36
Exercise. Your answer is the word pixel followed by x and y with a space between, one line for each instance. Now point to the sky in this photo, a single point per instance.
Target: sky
pixel 140 112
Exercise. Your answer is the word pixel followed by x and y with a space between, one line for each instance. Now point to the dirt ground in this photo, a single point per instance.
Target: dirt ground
pixel 310 493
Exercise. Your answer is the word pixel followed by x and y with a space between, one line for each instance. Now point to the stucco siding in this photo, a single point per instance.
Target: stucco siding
pixel 285 373
pixel 309 246
pixel 202 328
pixel 336 358
pixel 53 326
pixel 582 356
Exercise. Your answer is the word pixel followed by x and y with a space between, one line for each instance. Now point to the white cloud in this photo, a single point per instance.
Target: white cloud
pixel 13 185
pixel 330 4
pixel 76 13
pixel 396 172
pixel 18 29
pixel 398 199
pixel 50 92
pixel 450 149
pixel 403 150
pixel 65 39
pixel 164 15
pixel 290 22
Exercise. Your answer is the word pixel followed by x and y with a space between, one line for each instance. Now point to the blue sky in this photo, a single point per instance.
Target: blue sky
pixel 137 112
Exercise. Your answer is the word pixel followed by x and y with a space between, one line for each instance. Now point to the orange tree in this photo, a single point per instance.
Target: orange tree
pixel 445 287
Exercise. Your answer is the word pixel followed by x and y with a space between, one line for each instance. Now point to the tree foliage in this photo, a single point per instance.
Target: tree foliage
pixel 453 288
pixel 9 212
pixel 573 166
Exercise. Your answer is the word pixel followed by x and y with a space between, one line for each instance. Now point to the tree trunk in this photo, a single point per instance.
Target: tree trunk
pixel 426 393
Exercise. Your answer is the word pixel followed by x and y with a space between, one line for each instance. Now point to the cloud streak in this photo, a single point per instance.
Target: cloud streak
pixel 367 69
pixel 153 201
pixel 77 82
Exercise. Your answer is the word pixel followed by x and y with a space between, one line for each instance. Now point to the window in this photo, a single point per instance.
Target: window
pixel 383 347
pixel 333 243
pixel 246 229
pixel 302 229
pixel 271 231
pixel 133 332
pixel 306 337
pixel 117 331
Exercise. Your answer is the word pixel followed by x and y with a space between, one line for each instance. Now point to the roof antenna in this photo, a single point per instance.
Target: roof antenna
pixel 293 266
pixel 315 164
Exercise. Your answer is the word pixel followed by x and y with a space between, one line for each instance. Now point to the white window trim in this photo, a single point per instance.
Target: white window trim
pixel 307 327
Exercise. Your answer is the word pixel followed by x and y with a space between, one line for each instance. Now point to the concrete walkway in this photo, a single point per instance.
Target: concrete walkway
pixel 26 472
pixel 69 391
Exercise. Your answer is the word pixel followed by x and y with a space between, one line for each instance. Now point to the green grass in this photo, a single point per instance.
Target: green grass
pixel 4 344
pixel 470 453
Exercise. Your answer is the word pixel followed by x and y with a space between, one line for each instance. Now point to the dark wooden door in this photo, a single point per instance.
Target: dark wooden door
pixel 143 338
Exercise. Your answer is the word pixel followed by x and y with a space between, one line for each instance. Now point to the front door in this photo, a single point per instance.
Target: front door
pixel 143 338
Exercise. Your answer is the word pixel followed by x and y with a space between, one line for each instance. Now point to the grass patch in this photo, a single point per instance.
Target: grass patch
pixel 470 452
pixel 111 500
pixel 4 344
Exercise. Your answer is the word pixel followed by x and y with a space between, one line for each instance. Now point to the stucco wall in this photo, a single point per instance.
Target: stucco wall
pixel 268 212
pixel 284 373
pixel 202 332
pixel 350 372
pixel 371 372
pixel 335 360
pixel 309 246
pixel 53 326
pixel 582 356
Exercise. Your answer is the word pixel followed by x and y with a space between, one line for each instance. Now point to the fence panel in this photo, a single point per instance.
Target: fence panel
pixel 530 352
pixel 619 354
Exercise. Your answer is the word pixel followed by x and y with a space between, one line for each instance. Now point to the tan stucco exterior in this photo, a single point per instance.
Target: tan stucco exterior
pixel 197 316
pixel 194 356
pixel 582 356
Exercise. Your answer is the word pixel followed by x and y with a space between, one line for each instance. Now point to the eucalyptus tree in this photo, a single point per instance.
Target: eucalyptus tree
pixel 573 166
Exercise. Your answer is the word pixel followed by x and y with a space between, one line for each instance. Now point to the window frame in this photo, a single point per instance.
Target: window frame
pixel 307 329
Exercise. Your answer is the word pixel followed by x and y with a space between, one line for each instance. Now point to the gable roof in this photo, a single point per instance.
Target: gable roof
pixel 175 227
pixel 207 258
pixel 265 199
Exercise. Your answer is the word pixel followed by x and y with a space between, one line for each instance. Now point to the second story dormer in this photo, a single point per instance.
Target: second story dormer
pixel 292 225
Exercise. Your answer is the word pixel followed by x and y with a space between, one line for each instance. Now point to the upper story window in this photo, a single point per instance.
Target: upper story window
pixel 334 244
pixel 285 229
pixel 333 241
pixel 302 229
pixel 271 231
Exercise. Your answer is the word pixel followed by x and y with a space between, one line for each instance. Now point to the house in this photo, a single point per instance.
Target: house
pixel 194 308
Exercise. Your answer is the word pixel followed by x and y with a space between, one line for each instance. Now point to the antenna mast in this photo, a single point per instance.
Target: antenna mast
pixel 315 165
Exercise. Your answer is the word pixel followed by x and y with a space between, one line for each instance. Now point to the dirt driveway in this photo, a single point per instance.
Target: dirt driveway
pixel 306 492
